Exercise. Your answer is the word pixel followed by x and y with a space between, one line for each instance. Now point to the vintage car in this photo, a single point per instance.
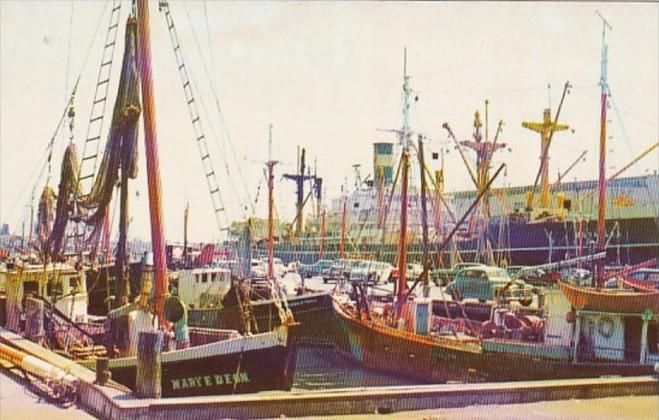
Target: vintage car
pixel 444 276
pixel 372 272
pixel 485 283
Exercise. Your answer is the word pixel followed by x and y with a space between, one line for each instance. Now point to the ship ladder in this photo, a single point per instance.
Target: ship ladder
pixel 199 134
pixel 90 151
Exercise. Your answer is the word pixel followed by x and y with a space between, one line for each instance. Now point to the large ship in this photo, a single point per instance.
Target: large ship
pixel 528 224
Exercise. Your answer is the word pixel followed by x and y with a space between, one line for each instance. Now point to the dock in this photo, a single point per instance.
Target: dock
pixel 116 403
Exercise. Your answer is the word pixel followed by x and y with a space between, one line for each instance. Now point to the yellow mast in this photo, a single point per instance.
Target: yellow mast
pixel 545 128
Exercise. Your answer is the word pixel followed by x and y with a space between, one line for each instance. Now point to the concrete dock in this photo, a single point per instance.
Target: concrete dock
pixel 487 398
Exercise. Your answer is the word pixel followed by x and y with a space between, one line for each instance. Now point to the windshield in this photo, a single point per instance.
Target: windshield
pixel 499 273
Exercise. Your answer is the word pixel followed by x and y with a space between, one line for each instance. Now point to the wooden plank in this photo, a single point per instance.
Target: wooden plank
pixel 54 359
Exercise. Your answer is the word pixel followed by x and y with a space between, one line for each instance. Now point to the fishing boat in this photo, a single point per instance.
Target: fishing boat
pixel 607 300
pixel 267 301
pixel 577 333
pixel 194 361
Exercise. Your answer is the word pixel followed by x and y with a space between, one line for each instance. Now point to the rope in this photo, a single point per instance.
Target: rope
pixel 219 109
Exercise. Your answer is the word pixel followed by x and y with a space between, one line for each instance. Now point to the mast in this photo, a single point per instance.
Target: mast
pixel 424 219
pixel 406 101
pixel 342 242
pixel 322 234
pixel 271 232
pixel 152 162
pixel 186 215
pixel 601 202
pixel 546 128
pixel 402 241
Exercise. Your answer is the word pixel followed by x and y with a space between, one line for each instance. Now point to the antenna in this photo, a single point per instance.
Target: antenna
pixel 270 142
pixel 604 21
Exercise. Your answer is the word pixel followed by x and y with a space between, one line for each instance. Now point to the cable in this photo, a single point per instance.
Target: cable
pixel 219 110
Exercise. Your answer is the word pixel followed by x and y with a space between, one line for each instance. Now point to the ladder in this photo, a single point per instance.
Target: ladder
pixel 95 128
pixel 90 151
pixel 199 134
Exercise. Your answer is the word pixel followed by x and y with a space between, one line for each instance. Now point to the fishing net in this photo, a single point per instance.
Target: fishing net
pixel 120 156
pixel 45 216
pixel 68 189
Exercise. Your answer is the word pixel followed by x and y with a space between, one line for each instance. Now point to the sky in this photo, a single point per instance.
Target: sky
pixel 328 76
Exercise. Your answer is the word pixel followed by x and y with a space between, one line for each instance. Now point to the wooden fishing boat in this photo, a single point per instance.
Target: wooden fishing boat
pixel 313 311
pixel 569 341
pixel 438 359
pixel 615 300
pixel 206 361
pixel 220 362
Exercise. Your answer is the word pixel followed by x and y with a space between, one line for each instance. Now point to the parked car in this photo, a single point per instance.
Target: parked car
pixel 372 272
pixel 315 269
pixel 412 272
pixel 484 283
pixel 531 275
pixel 577 276
pixel 444 276
pixel 340 269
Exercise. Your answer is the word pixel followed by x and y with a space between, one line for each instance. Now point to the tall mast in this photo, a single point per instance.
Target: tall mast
pixel 342 241
pixel 322 235
pixel 186 215
pixel 601 214
pixel 402 240
pixel 424 219
pixel 271 232
pixel 152 165
pixel 406 101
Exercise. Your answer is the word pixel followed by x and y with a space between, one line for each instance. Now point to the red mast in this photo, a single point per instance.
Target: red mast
pixel 152 166
pixel 271 200
pixel 402 241
pixel 601 202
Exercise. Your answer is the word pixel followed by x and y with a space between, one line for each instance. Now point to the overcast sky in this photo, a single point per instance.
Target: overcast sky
pixel 327 76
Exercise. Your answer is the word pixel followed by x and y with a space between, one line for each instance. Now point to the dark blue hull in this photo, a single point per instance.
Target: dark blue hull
pixel 520 243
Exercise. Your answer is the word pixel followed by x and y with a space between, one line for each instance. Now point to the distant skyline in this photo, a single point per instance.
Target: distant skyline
pixel 328 75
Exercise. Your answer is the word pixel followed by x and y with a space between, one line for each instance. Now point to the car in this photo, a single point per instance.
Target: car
pixel 372 272
pixel 340 269
pixel 644 277
pixel 444 276
pixel 485 283
pixel 315 269
pixel 577 276
pixel 530 274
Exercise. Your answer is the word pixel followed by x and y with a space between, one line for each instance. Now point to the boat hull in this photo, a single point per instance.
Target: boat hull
pixel 610 301
pixel 519 242
pixel 312 311
pixel 433 360
pixel 256 363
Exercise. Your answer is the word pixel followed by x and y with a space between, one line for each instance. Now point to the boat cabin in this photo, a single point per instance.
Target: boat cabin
pixel 203 287
pixel 61 285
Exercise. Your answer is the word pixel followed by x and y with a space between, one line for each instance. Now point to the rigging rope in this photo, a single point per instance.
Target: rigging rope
pixel 220 114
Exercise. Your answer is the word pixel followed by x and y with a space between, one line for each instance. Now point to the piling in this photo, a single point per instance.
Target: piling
pixel 103 373
pixel 149 370
pixel 34 329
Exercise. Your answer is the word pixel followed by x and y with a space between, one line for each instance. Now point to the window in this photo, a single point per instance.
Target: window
pixel 204 278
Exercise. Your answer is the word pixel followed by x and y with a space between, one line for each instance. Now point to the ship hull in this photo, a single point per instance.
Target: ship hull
pixel 313 311
pixel 433 360
pixel 261 362
pixel 518 242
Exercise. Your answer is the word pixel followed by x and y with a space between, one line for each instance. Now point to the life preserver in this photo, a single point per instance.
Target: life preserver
pixel 605 327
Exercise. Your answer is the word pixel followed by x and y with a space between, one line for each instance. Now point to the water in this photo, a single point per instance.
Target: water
pixel 322 368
